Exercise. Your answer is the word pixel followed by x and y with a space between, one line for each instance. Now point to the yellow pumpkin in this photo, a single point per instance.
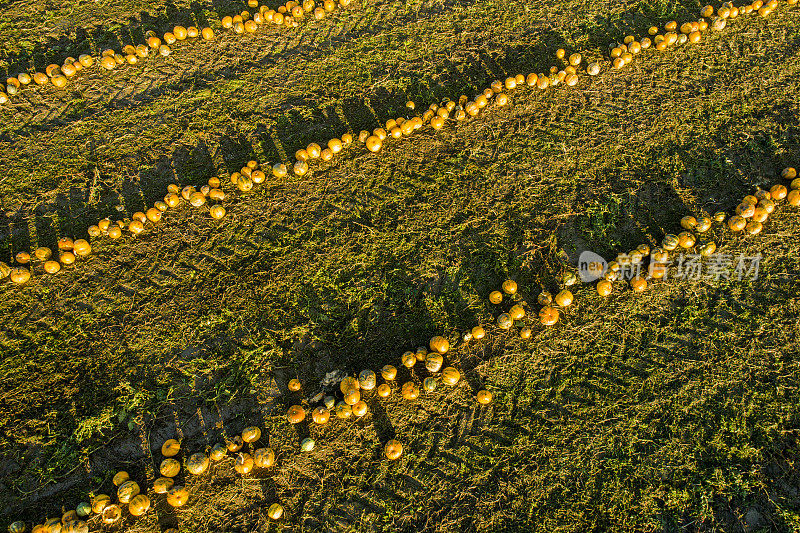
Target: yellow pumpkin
pixel 120 478
pixel 244 463
pixel 295 414
pixel 545 298
pixel 548 315
pixel 367 380
pixel 439 344
pixel 349 384
pixel 638 284
pixel 525 333
pixel 604 287
pixel 100 502
pixel 360 408
pixel 170 448
pixel 218 452
pixel 434 362
pixel 495 297
pixel 517 312
pixel 484 397
pixel 343 411
pixel 20 276
pixel 409 391
pixel 736 223
pixel 127 491
pixel 789 173
pixel 197 463
pixel 509 286
pixel 450 376
pixel 162 485
pixel 389 373
pixel 352 397
pixel 264 457
pixel 251 434
pixel 139 505
pixel 793 197
pixel 177 496
pixel 504 321
pixel 82 248
pixel 111 514
pixel 564 298
pixel 409 359
pixel 384 390
pixel 275 511
pixel 478 333
pixel 169 467
pixel 778 192
pixel 393 450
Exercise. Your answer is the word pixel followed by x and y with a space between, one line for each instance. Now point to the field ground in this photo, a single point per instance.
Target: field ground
pixel 672 410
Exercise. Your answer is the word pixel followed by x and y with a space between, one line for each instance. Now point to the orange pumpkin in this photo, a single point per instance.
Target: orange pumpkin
pixel 244 463
pixel 139 505
pixel 393 450
pixel 389 373
pixel 384 390
pixel 450 376
pixel 548 315
pixel 264 458
pixel 170 448
pixel 410 391
pixel 177 496
pixel 564 298
pixel 439 344
pixel 295 414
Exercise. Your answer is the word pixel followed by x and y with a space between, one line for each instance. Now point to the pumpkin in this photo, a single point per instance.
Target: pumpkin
pixel 251 434
pixel 778 192
pixel 434 362
pixel 604 287
pixel 128 490
pixel 410 391
pixel 120 478
pixel 789 173
pixel 669 242
pixel 75 526
pixel 504 321
pixel 478 333
pixel 111 514
pixel 367 379
pixel 295 414
pixel 82 248
pixel 348 384
pixel 708 249
pixel 177 496
pixel 139 505
pixel 689 222
pixel 100 502
pixel 409 359
pixel 320 415
pixel 720 216
pixel 421 353
pixel 501 100
pixel 760 214
pixel 737 223
pixel 484 397
pixel 264 457
pixel 307 444
pixel 509 286
pixel 517 312
pixel 136 227
pixel 575 59
pixel 83 509
pixel 343 411
pixel 429 384
pixel 217 212
pixel 745 209
pixel 767 204
pixel 389 373
pixel 564 298
pixel 352 396
pixel 753 227
pixel 20 276
pixel 793 197
pixel 197 463
pixel 545 298
pixel 495 297
pixel 439 344
pixel 686 239
pixel 162 485
pixel 17 527
pixel 169 467
pixel 275 511
pixel 218 452
pixel 23 258
pixel 384 390
pixel 42 254
pixel 548 315
pixel 638 284
pixel 170 448
pixel 208 34
pixel 360 408
pixel 52 525
pixel 525 333
pixel 593 69
pixel 393 450
pixel 450 376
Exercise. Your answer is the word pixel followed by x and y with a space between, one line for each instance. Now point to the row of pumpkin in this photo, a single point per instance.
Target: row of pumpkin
pixel 436 116
pixel 288 15
pixel 756 208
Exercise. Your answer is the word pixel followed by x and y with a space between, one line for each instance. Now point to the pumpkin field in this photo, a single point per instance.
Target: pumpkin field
pixel 321 266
